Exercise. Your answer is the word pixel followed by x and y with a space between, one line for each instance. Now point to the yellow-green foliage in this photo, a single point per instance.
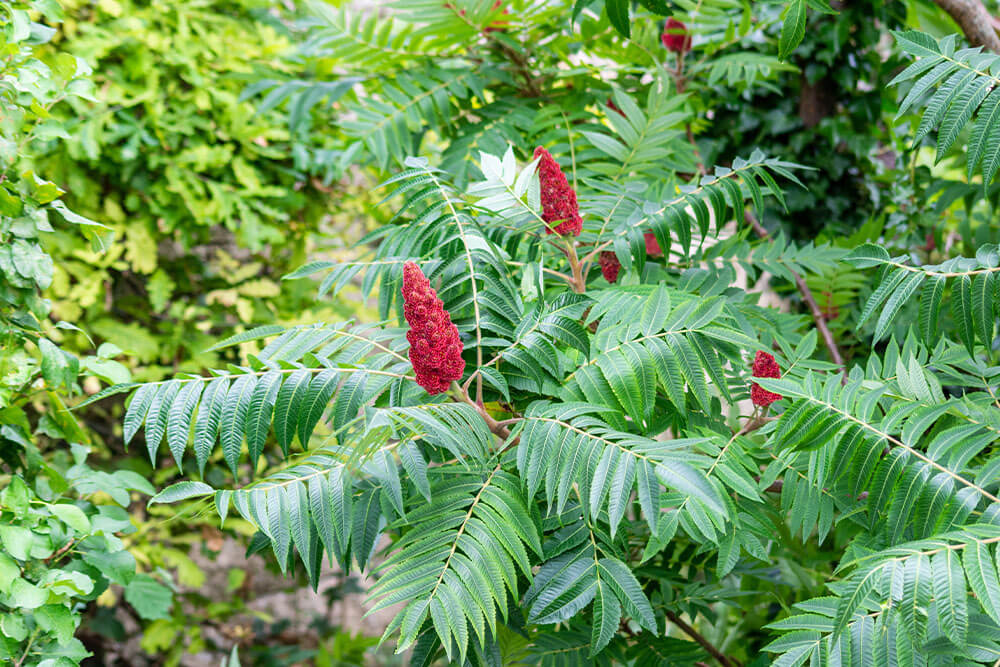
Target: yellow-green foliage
pixel 200 187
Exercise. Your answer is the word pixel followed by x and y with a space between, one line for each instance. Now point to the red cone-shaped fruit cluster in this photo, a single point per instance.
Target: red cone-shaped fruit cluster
pixel 764 366
pixel 675 36
pixel 653 248
pixel 558 198
pixel 435 349
pixel 609 265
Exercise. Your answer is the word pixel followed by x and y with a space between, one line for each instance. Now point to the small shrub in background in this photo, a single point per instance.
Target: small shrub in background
pixel 62 522
pixel 200 186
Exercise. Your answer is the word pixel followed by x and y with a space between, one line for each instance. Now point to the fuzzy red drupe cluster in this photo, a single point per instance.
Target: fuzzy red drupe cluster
pixel 558 198
pixel 435 349
pixel 675 36
pixel 610 266
pixel 764 366
pixel 653 248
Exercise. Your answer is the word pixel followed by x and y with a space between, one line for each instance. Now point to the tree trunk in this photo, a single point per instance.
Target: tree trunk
pixel 975 22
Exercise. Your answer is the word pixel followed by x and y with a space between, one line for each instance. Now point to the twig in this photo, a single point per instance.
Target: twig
pixel 579 283
pixel 721 657
pixel 680 83
pixel 63 549
pixel 697 153
pixel 462 395
pixel 27 648
pixel 755 423
pixel 809 299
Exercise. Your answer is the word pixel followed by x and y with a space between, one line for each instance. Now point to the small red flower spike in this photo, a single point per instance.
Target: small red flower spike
pixel 609 266
pixel 764 366
pixel 558 198
pixel 676 37
pixel 435 349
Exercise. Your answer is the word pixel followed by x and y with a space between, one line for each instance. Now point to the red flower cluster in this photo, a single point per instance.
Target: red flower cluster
pixel 435 349
pixel 764 366
pixel 675 36
pixel 558 198
pixel 653 248
pixel 609 265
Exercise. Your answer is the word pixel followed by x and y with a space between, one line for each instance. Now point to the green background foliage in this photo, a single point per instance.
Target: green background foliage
pixel 61 521
pixel 199 185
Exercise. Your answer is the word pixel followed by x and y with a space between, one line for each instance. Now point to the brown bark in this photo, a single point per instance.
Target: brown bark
pixel 976 23
pixel 816 101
